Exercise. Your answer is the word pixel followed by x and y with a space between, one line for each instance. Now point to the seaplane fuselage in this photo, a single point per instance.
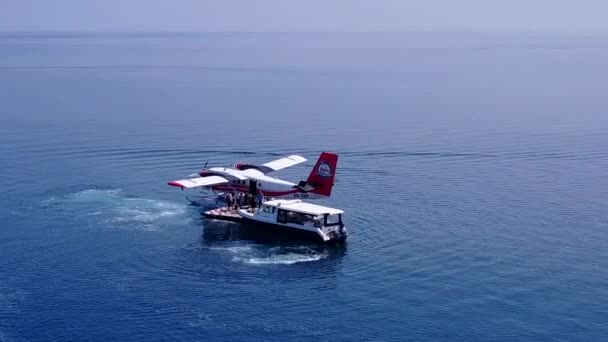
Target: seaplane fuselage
pixel 271 187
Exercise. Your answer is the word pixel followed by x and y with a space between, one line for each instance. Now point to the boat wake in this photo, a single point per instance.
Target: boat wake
pixel 115 208
pixel 259 255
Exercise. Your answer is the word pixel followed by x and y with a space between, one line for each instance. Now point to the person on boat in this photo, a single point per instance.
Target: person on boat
pixel 260 198
pixel 242 199
pixel 235 199
pixel 228 200
pixel 239 203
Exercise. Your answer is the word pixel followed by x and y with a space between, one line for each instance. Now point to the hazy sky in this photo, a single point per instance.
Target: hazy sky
pixel 303 15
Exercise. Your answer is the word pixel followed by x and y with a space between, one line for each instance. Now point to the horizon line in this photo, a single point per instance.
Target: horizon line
pixel 279 32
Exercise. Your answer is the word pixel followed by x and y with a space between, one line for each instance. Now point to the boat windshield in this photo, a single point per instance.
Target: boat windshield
pixel 333 220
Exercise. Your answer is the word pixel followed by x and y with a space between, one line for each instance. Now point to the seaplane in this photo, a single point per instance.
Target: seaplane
pixel 251 178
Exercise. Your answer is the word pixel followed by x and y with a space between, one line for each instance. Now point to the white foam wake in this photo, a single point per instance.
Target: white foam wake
pixel 116 208
pixel 284 259
pixel 260 255
pixel 233 249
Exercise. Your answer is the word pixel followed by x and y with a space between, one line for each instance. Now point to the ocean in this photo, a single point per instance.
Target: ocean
pixel 472 171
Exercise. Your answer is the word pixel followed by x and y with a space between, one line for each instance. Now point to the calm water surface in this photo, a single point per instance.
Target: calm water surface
pixel 472 170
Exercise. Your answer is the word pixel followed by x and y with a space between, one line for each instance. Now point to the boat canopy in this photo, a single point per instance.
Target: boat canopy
pixel 304 208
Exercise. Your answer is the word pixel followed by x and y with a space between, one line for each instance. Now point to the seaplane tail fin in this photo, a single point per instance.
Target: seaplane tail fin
pixel 322 175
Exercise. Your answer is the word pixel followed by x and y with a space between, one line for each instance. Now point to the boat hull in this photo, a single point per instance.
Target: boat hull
pixel 300 234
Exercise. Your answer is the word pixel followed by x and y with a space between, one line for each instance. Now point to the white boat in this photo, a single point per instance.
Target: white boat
pixel 306 220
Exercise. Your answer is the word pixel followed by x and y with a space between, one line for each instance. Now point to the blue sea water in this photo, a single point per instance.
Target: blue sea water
pixel 472 170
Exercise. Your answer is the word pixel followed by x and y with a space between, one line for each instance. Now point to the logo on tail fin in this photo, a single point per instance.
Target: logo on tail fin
pixel 321 178
pixel 324 170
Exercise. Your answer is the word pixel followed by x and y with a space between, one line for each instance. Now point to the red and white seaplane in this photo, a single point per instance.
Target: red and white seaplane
pixel 252 178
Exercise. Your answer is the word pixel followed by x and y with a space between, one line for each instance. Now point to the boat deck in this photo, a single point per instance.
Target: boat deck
pixel 223 214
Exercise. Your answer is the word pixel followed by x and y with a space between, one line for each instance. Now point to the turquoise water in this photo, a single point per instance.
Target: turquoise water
pixel 472 170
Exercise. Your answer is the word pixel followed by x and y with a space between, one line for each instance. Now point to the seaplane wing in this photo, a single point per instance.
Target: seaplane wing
pixel 282 163
pixel 199 181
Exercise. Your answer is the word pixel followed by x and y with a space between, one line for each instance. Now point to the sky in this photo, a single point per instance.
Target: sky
pixel 303 15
